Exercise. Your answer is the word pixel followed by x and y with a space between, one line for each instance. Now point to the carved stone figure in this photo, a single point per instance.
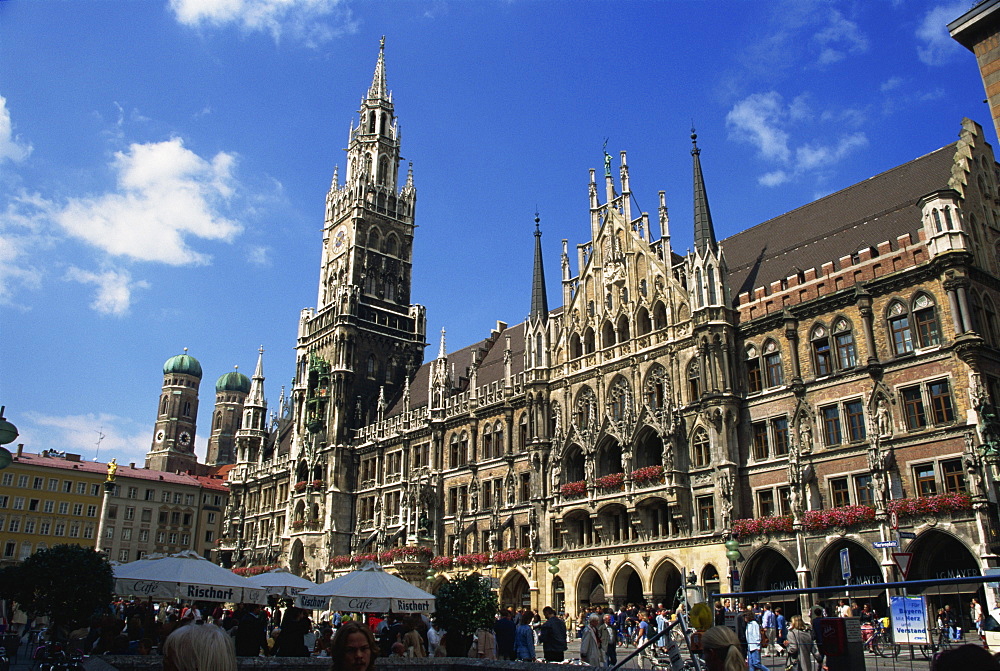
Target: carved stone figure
pixel 805 434
pixel 555 476
pixel 588 467
pixel 883 418
pixel 726 489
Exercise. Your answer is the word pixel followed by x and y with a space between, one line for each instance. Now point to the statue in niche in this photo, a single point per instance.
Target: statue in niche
pixel 883 418
pixel 726 489
pixel 555 475
pixel 805 434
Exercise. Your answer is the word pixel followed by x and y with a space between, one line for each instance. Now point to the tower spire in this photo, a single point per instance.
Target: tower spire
pixel 539 301
pixel 704 231
pixel 256 395
pixel 378 89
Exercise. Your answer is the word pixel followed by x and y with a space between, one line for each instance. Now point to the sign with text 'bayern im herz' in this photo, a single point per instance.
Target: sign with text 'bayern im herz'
pixel 909 620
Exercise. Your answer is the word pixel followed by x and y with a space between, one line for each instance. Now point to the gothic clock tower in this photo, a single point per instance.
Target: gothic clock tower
pixel 356 349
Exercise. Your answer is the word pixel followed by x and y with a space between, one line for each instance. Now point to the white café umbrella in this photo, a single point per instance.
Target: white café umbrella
pixel 368 589
pixel 184 575
pixel 280 582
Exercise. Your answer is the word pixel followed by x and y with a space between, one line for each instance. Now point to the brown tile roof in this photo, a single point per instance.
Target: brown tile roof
pixel 878 209
pixel 491 366
pixel 99 468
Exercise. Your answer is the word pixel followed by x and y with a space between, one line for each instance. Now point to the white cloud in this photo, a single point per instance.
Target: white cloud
pixel 114 289
pixel 936 46
pixel 839 38
pixel 891 84
pixel 755 120
pixel 166 195
pixel 12 148
pixel 259 256
pixel 763 120
pixel 310 21
pixel 21 240
pixel 124 439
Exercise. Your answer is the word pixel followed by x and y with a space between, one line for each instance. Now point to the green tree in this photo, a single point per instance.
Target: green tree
pixel 67 583
pixel 464 605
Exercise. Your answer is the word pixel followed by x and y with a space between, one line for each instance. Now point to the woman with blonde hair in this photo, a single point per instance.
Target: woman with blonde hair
pixel 801 646
pixel 722 650
pixel 199 647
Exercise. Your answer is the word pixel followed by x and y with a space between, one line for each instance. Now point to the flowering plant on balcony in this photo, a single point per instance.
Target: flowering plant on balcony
pixel 247 571
pixel 578 488
pixel 298 524
pixel 610 481
pixel 844 516
pixel 473 559
pixel 760 525
pixel 504 557
pixel 340 561
pixel 316 484
pixel 927 505
pixel 300 486
pixel 648 474
pixel 358 559
pixel 410 552
pixel 441 563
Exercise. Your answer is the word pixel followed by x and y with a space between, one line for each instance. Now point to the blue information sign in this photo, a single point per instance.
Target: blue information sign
pixel 845 564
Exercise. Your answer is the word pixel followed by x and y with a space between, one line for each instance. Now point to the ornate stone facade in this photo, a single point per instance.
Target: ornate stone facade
pixel 820 360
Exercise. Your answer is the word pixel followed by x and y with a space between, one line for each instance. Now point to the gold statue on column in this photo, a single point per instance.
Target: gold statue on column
pixel 112 469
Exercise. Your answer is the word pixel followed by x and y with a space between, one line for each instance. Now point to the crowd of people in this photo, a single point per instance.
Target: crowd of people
pixel 209 637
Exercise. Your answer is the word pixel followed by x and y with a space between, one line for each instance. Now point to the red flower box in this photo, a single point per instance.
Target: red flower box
pixel 441 563
pixel 301 486
pixel 578 488
pixel 611 481
pixel 648 474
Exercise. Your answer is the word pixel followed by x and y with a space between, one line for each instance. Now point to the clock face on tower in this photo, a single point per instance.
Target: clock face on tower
pixel 340 239
pixel 184 439
pixel 159 436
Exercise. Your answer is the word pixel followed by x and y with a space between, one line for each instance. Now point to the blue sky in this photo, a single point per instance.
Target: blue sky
pixel 164 164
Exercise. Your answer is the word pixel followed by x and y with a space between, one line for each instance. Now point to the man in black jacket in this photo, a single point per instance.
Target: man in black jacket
pixel 251 633
pixel 552 636
pixel 504 632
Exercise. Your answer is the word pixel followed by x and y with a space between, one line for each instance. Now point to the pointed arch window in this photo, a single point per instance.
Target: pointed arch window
pixel 498 445
pixel 774 372
pixel 755 380
pixel 371 122
pixel 575 347
pixel 694 380
pixel 701 452
pixel 822 357
pixel 698 288
pixel 619 399
pixel 659 316
pixel 383 170
pixel 607 335
pixel 487 441
pixel 538 350
pixel 843 338
pixel 900 330
pixel 925 320
pixel 642 323
pixel 711 286
pixel 370 366
pixel 586 407
pixel 588 341
pixel 374 238
pixel 623 330
pixel 656 388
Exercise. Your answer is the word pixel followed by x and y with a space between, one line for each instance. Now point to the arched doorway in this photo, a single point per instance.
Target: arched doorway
pixel 940 555
pixel 665 582
pixel 514 592
pixel 590 589
pixel 626 586
pixel 768 569
pixel 648 449
pixel 710 580
pixel 558 595
pixel 865 570
pixel 296 558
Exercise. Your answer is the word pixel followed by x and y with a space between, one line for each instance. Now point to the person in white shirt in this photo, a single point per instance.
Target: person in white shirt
pixel 590 647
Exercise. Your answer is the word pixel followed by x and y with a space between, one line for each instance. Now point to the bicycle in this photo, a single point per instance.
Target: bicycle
pixel 881 643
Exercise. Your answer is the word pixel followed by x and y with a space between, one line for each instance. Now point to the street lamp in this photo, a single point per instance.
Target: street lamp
pixel 692 590
pixel 553 565
pixel 8 433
